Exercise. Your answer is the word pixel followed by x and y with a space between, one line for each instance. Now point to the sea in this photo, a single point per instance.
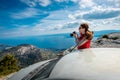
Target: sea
pixel 53 41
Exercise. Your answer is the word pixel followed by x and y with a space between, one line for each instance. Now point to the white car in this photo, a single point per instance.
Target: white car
pixel 84 64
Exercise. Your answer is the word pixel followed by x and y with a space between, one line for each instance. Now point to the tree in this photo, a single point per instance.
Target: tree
pixel 8 64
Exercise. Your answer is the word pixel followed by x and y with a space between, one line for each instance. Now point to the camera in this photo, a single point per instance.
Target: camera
pixel 71 35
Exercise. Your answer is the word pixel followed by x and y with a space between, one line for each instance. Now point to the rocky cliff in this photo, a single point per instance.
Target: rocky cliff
pixel 111 40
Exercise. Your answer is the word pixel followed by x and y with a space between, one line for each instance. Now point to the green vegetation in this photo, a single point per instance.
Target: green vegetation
pixel 8 64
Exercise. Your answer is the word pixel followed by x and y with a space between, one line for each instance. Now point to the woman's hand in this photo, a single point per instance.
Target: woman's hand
pixel 75 35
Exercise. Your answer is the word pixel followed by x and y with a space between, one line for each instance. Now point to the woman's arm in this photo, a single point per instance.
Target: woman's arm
pixel 76 38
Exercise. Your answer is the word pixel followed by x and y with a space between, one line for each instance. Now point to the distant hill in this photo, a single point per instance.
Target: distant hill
pixel 28 54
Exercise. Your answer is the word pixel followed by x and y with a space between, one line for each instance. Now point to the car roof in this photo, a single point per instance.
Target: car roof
pixel 89 64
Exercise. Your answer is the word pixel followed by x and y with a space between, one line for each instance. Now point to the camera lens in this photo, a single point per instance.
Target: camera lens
pixel 71 35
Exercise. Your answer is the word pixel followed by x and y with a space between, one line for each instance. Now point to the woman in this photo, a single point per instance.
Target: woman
pixel 83 41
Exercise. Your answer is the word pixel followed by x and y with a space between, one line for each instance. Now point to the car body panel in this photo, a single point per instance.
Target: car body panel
pixel 89 64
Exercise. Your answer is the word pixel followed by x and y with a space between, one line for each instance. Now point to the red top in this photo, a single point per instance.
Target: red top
pixel 86 44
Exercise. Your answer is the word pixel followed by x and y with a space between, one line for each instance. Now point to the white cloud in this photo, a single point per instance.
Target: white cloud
pixel 48 25
pixel 60 0
pixel 77 14
pixel 44 2
pixel 58 15
pixel 97 12
pixel 62 21
pixel 57 22
pixel 86 3
pixel 71 24
pixel 33 3
pixel 29 2
pixel 27 13
pixel 56 18
pixel 111 23
pixel 71 17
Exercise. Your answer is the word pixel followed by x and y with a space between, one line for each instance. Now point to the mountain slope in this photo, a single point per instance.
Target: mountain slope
pixel 28 54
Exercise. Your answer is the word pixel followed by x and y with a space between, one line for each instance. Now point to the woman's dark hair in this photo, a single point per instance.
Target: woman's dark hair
pixel 88 34
pixel 85 25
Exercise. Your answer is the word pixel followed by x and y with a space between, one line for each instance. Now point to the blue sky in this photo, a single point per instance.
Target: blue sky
pixel 40 17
